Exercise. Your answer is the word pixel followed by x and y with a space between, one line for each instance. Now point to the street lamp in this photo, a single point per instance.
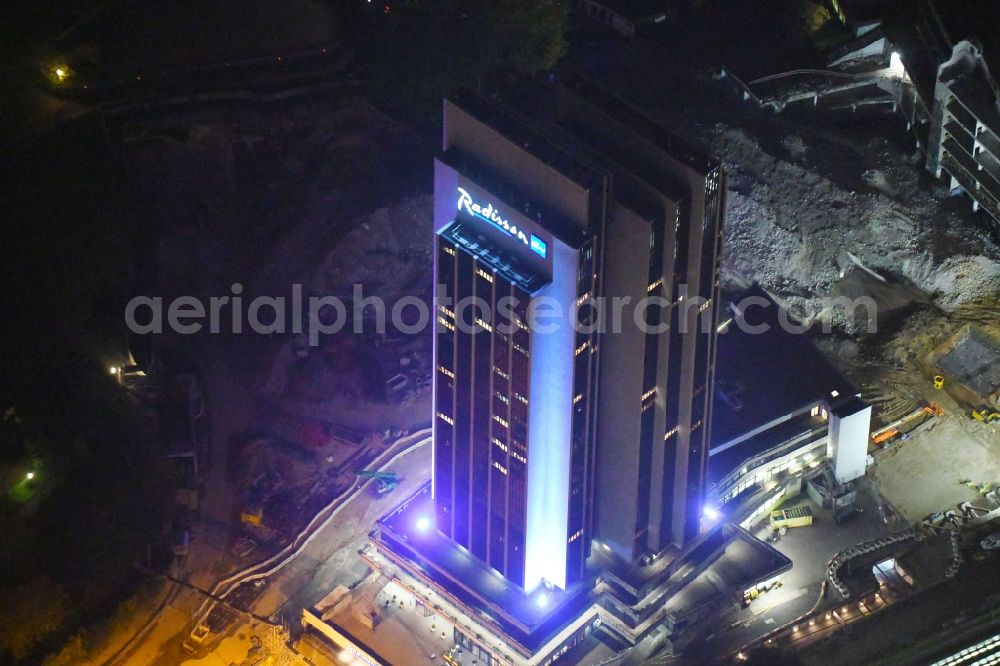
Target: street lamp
pixel 60 73
pixel 29 476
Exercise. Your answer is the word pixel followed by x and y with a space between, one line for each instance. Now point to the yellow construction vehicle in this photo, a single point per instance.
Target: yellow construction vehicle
pixel 938 382
pixel 985 413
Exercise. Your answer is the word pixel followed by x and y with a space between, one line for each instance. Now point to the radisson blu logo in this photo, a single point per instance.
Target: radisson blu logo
pixel 492 215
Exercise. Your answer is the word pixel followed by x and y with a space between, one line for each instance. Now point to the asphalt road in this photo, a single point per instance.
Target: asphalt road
pixel 328 559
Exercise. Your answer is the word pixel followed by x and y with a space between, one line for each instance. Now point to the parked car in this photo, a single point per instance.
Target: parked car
pixel 992 542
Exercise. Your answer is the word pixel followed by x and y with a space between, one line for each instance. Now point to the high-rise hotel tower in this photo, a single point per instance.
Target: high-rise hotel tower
pixel 576 264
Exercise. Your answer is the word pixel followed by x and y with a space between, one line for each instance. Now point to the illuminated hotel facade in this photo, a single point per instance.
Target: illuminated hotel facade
pixel 552 436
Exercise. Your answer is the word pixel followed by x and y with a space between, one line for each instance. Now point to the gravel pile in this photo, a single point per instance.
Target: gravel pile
pixel 799 233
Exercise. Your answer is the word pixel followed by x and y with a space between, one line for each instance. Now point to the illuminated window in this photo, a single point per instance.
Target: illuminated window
pixel 654 286
pixel 504 399
pixel 483 274
pixel 520 398
pixel 577 398
pixel 446 372
pixel 499 419
pixel 447 324
pixel 517 456
pixel 576 536
pixel 449 250
pixel 582 348
pixel 583 299
pixel 649 394
pixel 447 311
pixel 484 324
pixel 500 445
pixel 447 419
pixel 503 470
pixel 670 433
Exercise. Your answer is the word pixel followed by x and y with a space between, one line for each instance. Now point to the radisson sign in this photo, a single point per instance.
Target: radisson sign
pixel 491 214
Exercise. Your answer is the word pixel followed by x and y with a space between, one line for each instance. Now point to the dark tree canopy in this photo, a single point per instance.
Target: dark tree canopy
pixel 417 52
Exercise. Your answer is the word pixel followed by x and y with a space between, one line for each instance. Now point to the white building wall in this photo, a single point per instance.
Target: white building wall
pixel 849 444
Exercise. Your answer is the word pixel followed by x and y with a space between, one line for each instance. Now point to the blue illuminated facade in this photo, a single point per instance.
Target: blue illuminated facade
pixel 552 436
pixel 504 394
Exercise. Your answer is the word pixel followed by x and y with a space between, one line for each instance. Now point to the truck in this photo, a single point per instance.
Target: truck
pixel 799 516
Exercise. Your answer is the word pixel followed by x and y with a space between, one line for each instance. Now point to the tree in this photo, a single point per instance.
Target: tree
pixel 418 52
pixel 30 613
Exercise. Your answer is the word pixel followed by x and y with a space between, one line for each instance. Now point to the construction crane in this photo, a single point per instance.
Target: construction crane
pixel 387 481
pixel 883 435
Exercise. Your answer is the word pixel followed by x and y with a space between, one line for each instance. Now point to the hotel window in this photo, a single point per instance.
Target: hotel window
pixel 447 324
pixel 483 324
pixel 577 398
pixel 582 348
pixel 503 470
pixel 579 533
pixel 499 419
pixel 483 274
pixel 447 419
pixel 449 250
pixel 654 286
pixel 670 433
pixel 446 372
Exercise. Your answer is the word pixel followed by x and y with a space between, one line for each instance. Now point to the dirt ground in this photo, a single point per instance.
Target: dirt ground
pixel 921 475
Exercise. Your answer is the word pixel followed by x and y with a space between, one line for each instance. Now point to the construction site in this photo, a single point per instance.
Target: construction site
pixel 871 179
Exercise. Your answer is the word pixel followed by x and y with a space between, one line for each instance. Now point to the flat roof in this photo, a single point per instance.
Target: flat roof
pixel 636 120
pixel 745 562
pixel 521 132
pixel 773 373
pixel 475 584
pixel 801 428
